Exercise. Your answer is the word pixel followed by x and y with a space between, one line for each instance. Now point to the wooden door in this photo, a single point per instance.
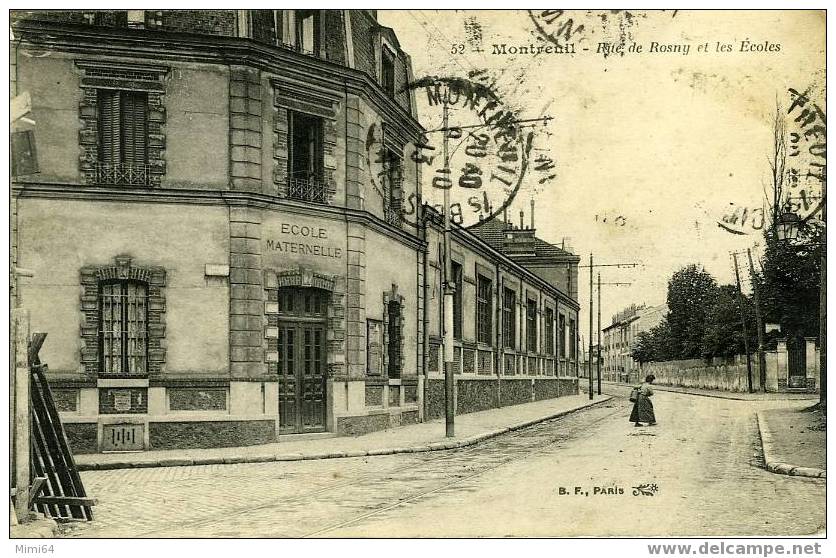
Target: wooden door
pixel 301 377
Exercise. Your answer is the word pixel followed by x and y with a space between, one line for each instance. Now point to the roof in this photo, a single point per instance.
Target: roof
pixel 493 233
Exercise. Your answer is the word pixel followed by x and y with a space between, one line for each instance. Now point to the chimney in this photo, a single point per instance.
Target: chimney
pixel 532 213
pixel 505 217
pixel 522 219
pixel 567 243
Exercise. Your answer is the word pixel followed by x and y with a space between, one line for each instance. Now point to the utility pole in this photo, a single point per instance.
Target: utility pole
pixel 758 322
pixel 590 326
pixel 743 321
pixel 449 288
pixel 598 355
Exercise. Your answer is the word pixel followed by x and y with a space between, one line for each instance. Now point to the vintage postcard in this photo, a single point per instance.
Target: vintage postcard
pixel 419 273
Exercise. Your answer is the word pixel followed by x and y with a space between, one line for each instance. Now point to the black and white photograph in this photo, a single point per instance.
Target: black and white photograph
pixel 417 273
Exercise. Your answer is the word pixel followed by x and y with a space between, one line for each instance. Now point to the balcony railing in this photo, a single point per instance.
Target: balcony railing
pixel 130 174
pixel 393 215
pixel 307 189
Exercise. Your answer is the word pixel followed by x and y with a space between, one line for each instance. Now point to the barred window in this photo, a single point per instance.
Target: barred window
pixel 531 325
pixel 509 317
pixel 395 339
pixel 457 301
pixel 484 310
pixel 549 331
pixel 123 137
pixel 123 347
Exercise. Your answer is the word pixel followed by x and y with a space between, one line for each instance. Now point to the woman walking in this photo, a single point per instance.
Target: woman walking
pixel 643 407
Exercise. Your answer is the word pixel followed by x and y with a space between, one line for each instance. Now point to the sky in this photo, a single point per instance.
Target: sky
pixel 652 149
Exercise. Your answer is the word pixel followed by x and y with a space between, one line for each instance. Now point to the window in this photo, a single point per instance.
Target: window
pixel 307 31
pixel 562 333
pixel 394 186
pixel 305 302
pixel 549 331
pixel 509 316
pixel 123 327
pixel 394 342
pixel 306 156
pixel 572 341
pixel 457 301
pixel 484 310
pixel 531 325
pixel 387 71
pixel 123 137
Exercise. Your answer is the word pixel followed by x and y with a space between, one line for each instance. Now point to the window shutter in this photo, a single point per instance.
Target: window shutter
pixel 109 125
pixel 134 130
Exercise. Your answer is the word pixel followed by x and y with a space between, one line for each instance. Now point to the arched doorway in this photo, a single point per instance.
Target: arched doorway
pixel 302 361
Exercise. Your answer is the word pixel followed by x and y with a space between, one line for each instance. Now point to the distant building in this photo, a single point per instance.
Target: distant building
pixel 620 338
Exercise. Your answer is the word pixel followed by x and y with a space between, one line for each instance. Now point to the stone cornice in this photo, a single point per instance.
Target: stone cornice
pixel 213 197
pixel 188 47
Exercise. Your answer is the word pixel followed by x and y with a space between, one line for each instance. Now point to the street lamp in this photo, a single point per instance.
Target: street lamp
pixel 787 228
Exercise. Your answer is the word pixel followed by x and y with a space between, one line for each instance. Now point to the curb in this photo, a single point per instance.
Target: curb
pixel 780 467
pixel 434 446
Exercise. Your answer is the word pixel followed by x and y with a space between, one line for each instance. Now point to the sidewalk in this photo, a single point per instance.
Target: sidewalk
pixel 720 394
pixel 794 441
pixel 471 429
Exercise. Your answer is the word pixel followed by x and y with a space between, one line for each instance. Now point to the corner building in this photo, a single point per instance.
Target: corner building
pixel 223 233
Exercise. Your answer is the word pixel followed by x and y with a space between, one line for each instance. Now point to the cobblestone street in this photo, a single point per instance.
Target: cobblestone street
pixel 703 457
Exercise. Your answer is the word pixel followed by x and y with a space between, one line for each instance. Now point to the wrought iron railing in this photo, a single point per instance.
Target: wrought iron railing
pixel 392 215
pixel 307 189
pixel 131 174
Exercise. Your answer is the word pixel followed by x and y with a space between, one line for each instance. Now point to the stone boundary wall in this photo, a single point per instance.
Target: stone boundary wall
pixel 695 373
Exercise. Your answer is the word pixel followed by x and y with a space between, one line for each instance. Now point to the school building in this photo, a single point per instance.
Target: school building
pixel 225 243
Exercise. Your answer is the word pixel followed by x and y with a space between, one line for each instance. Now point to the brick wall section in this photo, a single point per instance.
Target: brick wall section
pixel 356 301
pixel 334 36
pixel 246 295
pixel 363 28
pixel 210 22
pixel 245 129
pixel 263 25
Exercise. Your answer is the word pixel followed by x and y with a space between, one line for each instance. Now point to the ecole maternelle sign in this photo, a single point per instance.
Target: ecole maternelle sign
pixel 294 241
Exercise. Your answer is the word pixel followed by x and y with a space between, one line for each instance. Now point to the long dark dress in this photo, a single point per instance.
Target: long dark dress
pixel 643 407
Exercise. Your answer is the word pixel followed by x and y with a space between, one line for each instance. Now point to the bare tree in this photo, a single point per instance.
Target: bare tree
pixel 777 164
